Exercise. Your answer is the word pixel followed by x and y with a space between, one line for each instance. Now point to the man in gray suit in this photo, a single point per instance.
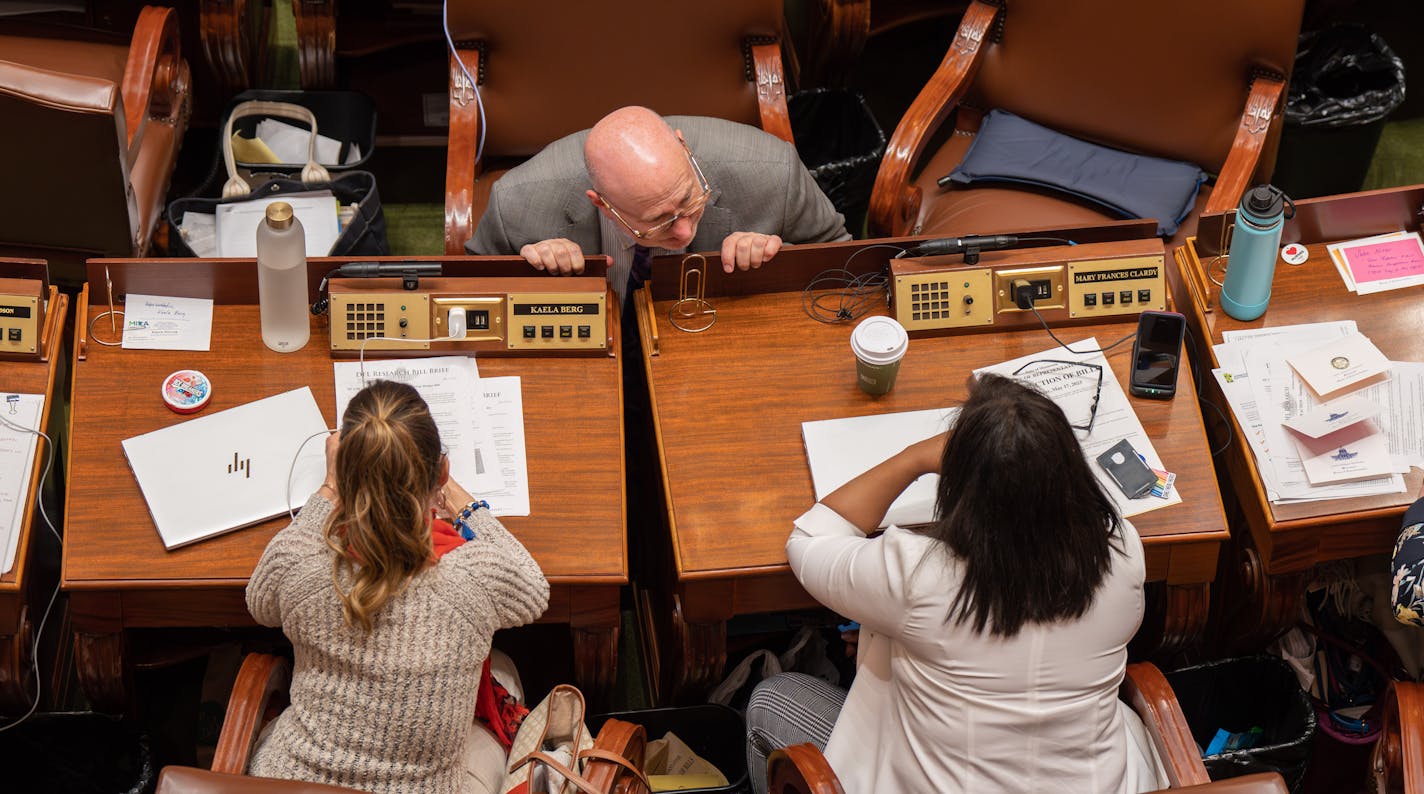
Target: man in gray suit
pixel 637 185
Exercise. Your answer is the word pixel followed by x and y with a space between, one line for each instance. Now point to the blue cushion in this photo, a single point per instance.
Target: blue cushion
pixel 1013 149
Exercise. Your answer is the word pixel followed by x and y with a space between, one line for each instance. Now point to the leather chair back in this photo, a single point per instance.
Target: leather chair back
pixel 548 70
pixel 66 147
pixel 187 780
pixel 1161 78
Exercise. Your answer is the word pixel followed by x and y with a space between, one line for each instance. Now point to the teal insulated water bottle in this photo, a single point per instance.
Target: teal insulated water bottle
pixel 1255 243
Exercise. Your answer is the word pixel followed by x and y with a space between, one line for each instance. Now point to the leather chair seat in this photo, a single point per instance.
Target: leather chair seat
pixel 62 56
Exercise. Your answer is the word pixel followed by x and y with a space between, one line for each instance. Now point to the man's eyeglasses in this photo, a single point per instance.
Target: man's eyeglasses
pixel 1057 378
pixel 695 206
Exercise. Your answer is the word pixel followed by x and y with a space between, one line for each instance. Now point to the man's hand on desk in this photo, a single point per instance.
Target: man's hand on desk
pixel 748 250
pixel 559 257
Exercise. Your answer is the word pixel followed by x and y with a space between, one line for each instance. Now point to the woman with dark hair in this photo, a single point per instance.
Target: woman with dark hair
pixel 389 632
pixel 993 641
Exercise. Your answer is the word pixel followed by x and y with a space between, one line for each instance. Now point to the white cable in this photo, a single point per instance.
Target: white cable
pixel 479 102
pixel 39 502
pixel 291 470
pixel 396 339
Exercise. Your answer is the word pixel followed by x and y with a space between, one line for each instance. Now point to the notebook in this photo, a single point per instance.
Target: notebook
pixel 229 470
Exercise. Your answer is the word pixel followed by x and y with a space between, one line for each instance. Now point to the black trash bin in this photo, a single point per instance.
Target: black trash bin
pixel 75 753
pixel 1346 81
pixel 841 144
pixel 1239 695
pixel 716 733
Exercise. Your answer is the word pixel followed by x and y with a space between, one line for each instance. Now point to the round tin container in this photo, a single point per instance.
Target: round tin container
pixel 186 391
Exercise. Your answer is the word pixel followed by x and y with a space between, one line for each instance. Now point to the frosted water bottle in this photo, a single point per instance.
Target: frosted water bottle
pixel 1255 243
pixel 282 280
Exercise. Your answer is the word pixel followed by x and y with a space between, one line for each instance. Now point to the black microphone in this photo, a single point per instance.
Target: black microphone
pixel 379 269
pixel 955 245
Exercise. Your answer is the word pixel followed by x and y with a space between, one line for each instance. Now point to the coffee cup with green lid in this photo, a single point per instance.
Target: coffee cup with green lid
pixel 879 343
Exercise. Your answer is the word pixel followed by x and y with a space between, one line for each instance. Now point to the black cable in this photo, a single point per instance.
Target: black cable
pixel 1044 323
pixel 323 300
pixel 846 296
pixel 1197 381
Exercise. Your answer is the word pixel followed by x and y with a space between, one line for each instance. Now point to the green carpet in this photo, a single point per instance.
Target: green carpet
pixel 415 229
pixel 1399 158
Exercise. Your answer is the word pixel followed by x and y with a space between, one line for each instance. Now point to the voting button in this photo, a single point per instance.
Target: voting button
pixel 1294 254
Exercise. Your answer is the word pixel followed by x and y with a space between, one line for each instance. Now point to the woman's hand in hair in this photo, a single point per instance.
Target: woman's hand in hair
pixel 328 486
pixel 453 499
pixel 927 454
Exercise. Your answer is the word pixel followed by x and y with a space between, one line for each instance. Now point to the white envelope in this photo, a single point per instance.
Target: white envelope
pixel 1349 361
pixel 1333 416
pixel 1357 452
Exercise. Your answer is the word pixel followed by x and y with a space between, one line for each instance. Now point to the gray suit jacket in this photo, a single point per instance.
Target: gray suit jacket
pixel 758 185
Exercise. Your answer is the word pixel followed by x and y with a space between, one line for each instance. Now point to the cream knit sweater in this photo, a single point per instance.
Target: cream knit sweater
pixel 386 711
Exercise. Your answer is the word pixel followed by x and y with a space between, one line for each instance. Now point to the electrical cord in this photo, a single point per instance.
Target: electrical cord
pixel 39 503
pixel 291 470
pixel 846 296
pixel 1061 344
pixel 479 101
pixel 1197 382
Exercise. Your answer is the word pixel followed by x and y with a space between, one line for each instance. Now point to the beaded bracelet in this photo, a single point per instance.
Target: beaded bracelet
pixel 462 521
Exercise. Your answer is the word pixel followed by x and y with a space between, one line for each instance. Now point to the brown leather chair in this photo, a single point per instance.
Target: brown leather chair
pixel 1200 82
pixel 260 693
pixel 91 134
pixel 546 70
pixel 836 31
pixel 1397 763
pixel 803 770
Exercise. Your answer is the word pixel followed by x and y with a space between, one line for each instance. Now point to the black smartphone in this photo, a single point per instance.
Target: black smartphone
pixel 1156 355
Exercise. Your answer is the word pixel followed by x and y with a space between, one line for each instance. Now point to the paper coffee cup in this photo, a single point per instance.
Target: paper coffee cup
pixel 878 343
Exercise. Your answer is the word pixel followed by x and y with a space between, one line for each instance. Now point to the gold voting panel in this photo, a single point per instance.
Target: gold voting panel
pixel 379 320
pixel 21 316
pixel 944 299
pixel 1104 288
pixel 557 320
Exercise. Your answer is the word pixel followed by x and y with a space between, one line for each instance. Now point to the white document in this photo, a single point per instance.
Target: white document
pixel 1357 452
pixel 1333 416
pixel 839 450
pixel 503 406
pixel 230 469
pixel 1340 365
pixel 152 322
pixel 289 143
pixel 1115 418
pixel 17 462
pixel 450 387
pixel 236 223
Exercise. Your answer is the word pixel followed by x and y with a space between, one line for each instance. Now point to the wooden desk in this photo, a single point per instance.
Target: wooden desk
pixel 117 572
pixel 1263 588
pixel 24 589
pixel 728 406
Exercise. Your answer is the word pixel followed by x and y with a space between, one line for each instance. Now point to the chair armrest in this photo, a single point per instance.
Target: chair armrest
pixel 802 769
pixel 1260 783
pixel 1148 693
pixel 1397 762
pixel 771 90
pixel 894 203
pixel 260 677
pixel 155 77
pixel 460 165
pixel 1263 102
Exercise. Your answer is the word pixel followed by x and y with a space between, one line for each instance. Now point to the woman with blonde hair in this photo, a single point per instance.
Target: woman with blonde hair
pixel 389 638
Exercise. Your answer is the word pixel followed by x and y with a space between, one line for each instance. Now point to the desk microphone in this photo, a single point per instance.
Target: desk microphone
pixel 409 273
pixel 955 245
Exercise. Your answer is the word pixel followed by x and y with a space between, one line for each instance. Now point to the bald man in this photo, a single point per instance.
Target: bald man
pixel 637 185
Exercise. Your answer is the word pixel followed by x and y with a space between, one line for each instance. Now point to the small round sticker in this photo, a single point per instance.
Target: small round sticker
pixel 1294 254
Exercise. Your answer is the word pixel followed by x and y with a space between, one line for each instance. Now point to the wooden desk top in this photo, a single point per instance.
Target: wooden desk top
pixel 729 404
pixel 1313 292
pixel 574 442
pixel 34 377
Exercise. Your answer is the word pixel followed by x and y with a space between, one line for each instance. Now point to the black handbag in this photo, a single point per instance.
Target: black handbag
pixel 363 235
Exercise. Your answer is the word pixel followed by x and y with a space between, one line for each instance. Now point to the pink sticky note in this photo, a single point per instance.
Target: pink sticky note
pixel 1392 259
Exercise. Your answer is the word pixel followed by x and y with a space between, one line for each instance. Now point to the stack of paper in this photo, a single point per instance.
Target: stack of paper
pixel 235 224
pixel 1384 262
pixel 481 421
pixel 18 444
pixel 1326 415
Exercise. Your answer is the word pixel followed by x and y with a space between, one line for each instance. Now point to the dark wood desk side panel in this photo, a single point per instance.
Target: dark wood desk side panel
pixel 792 269
pixel 1331 218
pixel 235 280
